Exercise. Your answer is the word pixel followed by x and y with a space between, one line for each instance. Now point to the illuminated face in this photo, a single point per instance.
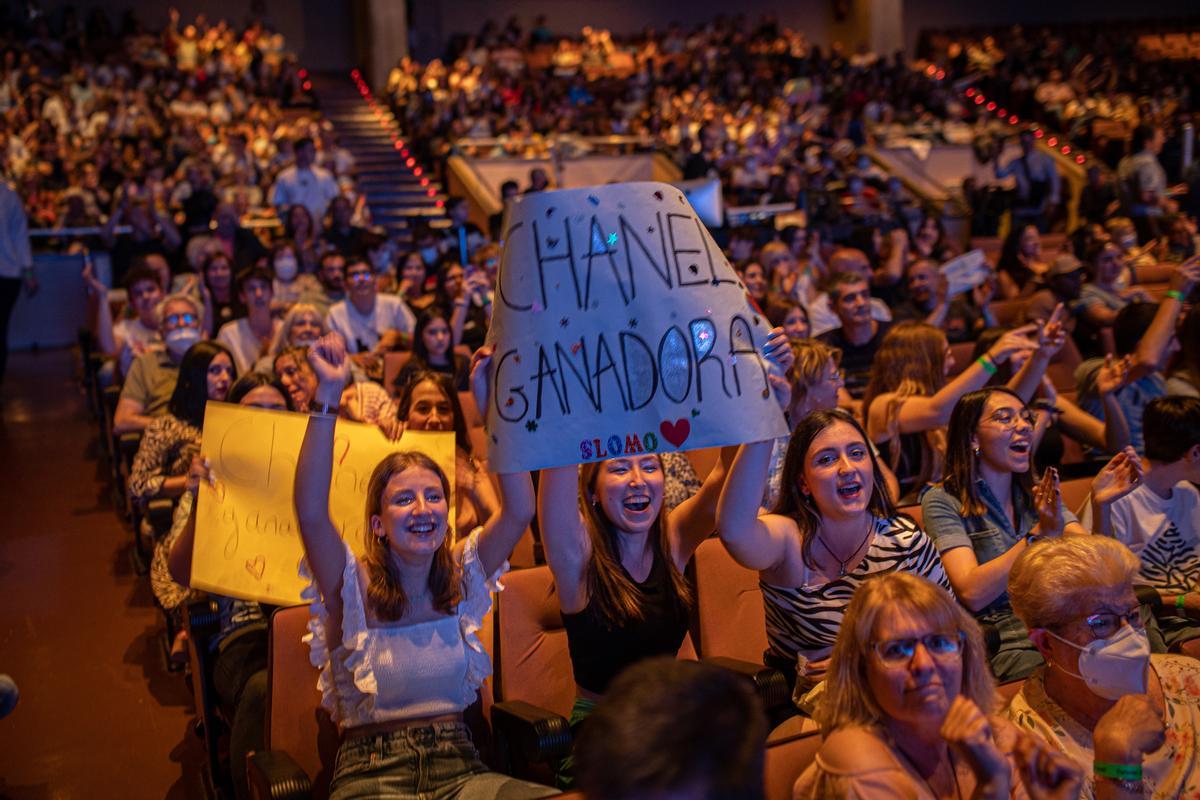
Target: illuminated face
pixel 795 325
pixel 1004 435
pixel 838 472
pixel 219 273
pixel 360 282
pixel 430 409
pixel 179 314
pixel 306 328
pixel 145 296
pixel 257 294
pixel 454 280
pixel 922 279
pixel 414 513
pixel 630 491
pixel 853 306
pixel 220 376
pixel 755 280
pixel 298 379
pixel 436 337
pixel 917 691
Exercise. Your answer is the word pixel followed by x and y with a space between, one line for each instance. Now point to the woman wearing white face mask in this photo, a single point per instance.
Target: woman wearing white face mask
pixel 1128 717
pixel 289 284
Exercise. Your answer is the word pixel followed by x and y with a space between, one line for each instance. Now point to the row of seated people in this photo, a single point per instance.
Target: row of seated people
pixel 1014 422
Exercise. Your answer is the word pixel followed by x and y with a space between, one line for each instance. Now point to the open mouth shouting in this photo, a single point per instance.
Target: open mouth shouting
pixel 636 503
pixel 850 490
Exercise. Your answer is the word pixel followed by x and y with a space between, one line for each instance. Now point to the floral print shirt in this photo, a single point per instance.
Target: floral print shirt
pixel 1169 772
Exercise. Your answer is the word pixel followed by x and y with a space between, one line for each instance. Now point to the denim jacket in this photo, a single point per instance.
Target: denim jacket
pixel 990 535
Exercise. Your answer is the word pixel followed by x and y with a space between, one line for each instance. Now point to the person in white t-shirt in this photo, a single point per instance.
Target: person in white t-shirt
pixel 249 337
pixel 304 184
pixel 370 323
pixel 1160 520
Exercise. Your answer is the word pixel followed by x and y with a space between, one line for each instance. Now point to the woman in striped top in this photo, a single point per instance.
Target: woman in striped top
pixel 832 528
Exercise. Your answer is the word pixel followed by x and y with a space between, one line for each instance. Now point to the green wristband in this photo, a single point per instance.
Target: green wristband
pixel 1175 294
pixel 1179 600
pixel 1120 772
pixel 988 366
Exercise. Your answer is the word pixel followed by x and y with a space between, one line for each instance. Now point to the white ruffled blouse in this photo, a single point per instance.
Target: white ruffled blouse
pixel 381 674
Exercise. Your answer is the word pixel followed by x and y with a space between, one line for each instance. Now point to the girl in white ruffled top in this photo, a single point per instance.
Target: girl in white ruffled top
pixel 395 632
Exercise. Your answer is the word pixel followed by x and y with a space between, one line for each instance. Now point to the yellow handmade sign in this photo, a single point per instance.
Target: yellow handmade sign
pixel 247 537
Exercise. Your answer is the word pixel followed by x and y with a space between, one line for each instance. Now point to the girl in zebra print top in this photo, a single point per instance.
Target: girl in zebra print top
pixel 833 527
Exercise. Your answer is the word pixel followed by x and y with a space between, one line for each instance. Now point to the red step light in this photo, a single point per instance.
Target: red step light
pixel 1066 150
pixel 410 162
pixel 398 146
pixel 1052 141
pixel 970 92
pixel 431 192
pixel 991 106
pixel 417 171
pixel 308 86
pixel 978 99
pixel 1039 133
pixel 424 181
pixel 1080 159
pixel 1013 120
pixel 439 204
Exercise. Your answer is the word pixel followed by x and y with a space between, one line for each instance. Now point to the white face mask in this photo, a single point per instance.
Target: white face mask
pixel 179 340
pixel 1116 666
pixel 286 268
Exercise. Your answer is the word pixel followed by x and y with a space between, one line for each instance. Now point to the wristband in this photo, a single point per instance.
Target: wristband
pixel 323 410
pixel 1120 772
pixel 988 365
pixel 1179 600
pixel 1174 294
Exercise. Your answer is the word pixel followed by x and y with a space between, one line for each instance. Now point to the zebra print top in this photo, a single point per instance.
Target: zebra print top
pixel 805 620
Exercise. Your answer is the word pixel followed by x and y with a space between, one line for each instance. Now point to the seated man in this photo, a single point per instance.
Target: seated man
pixel 677 729
pixel 1160 519
pixel 369 322
pixel 927 302
pixel 860 333
pixel 248 338
pixel 821 314
pixel 151 378
pixel 129 337
pixel 331 275
pixel 1101 697
pixel 1147 334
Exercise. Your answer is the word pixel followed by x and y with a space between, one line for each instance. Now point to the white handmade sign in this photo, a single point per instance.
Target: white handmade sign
pixel 965 272
pixel 620 328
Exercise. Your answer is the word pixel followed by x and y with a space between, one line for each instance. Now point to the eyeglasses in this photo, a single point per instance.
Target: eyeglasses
pixel 899 652
pixel 1105 625
pixel 180 319
pixel 359 277
pixel 1007 418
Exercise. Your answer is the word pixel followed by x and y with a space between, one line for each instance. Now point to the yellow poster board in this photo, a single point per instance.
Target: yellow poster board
pixel 247 537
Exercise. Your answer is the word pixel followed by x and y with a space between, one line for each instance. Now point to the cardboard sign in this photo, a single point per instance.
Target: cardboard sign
pixel 965 272
pixel 247 537
pixel 620 328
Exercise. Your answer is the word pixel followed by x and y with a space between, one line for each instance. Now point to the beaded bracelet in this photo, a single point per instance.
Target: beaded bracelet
pixel 1120 772
pixel 1179 600
pixel 988 366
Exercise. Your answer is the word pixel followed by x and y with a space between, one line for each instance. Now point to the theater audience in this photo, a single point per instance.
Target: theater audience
pixel 1127 717
pixel 151 379
pixel 909 709
pixel 289 285
pixel 304 184
pixel 859 334
pixel 832 528
pixel 415 595
pixel 1021 267
pixel 331 277
pixel 962 320
pixel 292 369
pixel 134 333
pixel 432 351
pixel 987 510
pixel 370 323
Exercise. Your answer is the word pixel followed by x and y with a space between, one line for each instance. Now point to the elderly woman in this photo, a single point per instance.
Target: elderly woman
pixel 906 711
pixel 1130 718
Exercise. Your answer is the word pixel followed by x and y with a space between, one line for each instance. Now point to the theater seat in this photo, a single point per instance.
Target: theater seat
pixel 790 750
pixel 916 514
pixel 392 364
pixel 729 620
pixel 1075 492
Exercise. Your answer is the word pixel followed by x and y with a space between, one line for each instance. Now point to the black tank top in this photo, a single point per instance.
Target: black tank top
pixel 599 653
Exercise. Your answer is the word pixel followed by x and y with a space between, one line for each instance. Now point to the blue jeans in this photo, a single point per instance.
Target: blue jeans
pixel 433 762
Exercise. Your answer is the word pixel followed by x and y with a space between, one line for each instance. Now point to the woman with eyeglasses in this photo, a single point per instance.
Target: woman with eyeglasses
pixel 987 510
pixel 908 704
pixel 1129 718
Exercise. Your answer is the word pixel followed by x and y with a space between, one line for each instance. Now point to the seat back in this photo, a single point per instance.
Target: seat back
pixel 296 722
pixel 1009 313
pixel 786 759
pixel 962 356
pixel 1075 492
pixel 703 460
pixel 915 512
pixel 728 618
pixel 531 661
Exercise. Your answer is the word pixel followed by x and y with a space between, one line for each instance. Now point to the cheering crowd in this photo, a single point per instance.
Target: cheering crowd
pixel 977 548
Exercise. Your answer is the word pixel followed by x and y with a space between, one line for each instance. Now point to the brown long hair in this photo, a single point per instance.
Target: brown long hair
pixel 385 594
pixel 962 465
pixel 611 592
pixel 911 362
pixel 800 507
pixel 446 385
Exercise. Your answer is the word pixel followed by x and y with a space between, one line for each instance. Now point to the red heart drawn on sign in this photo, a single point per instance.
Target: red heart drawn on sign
pixel 257 567
pixel 675 432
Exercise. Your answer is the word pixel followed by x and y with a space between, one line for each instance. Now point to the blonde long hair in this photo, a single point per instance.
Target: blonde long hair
pixel 911 362
pixel 385 594
pixel 611 592
pixel 848 700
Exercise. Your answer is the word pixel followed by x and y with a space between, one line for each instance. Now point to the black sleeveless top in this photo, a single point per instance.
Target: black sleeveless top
pixel 908 468
pixel 599 653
